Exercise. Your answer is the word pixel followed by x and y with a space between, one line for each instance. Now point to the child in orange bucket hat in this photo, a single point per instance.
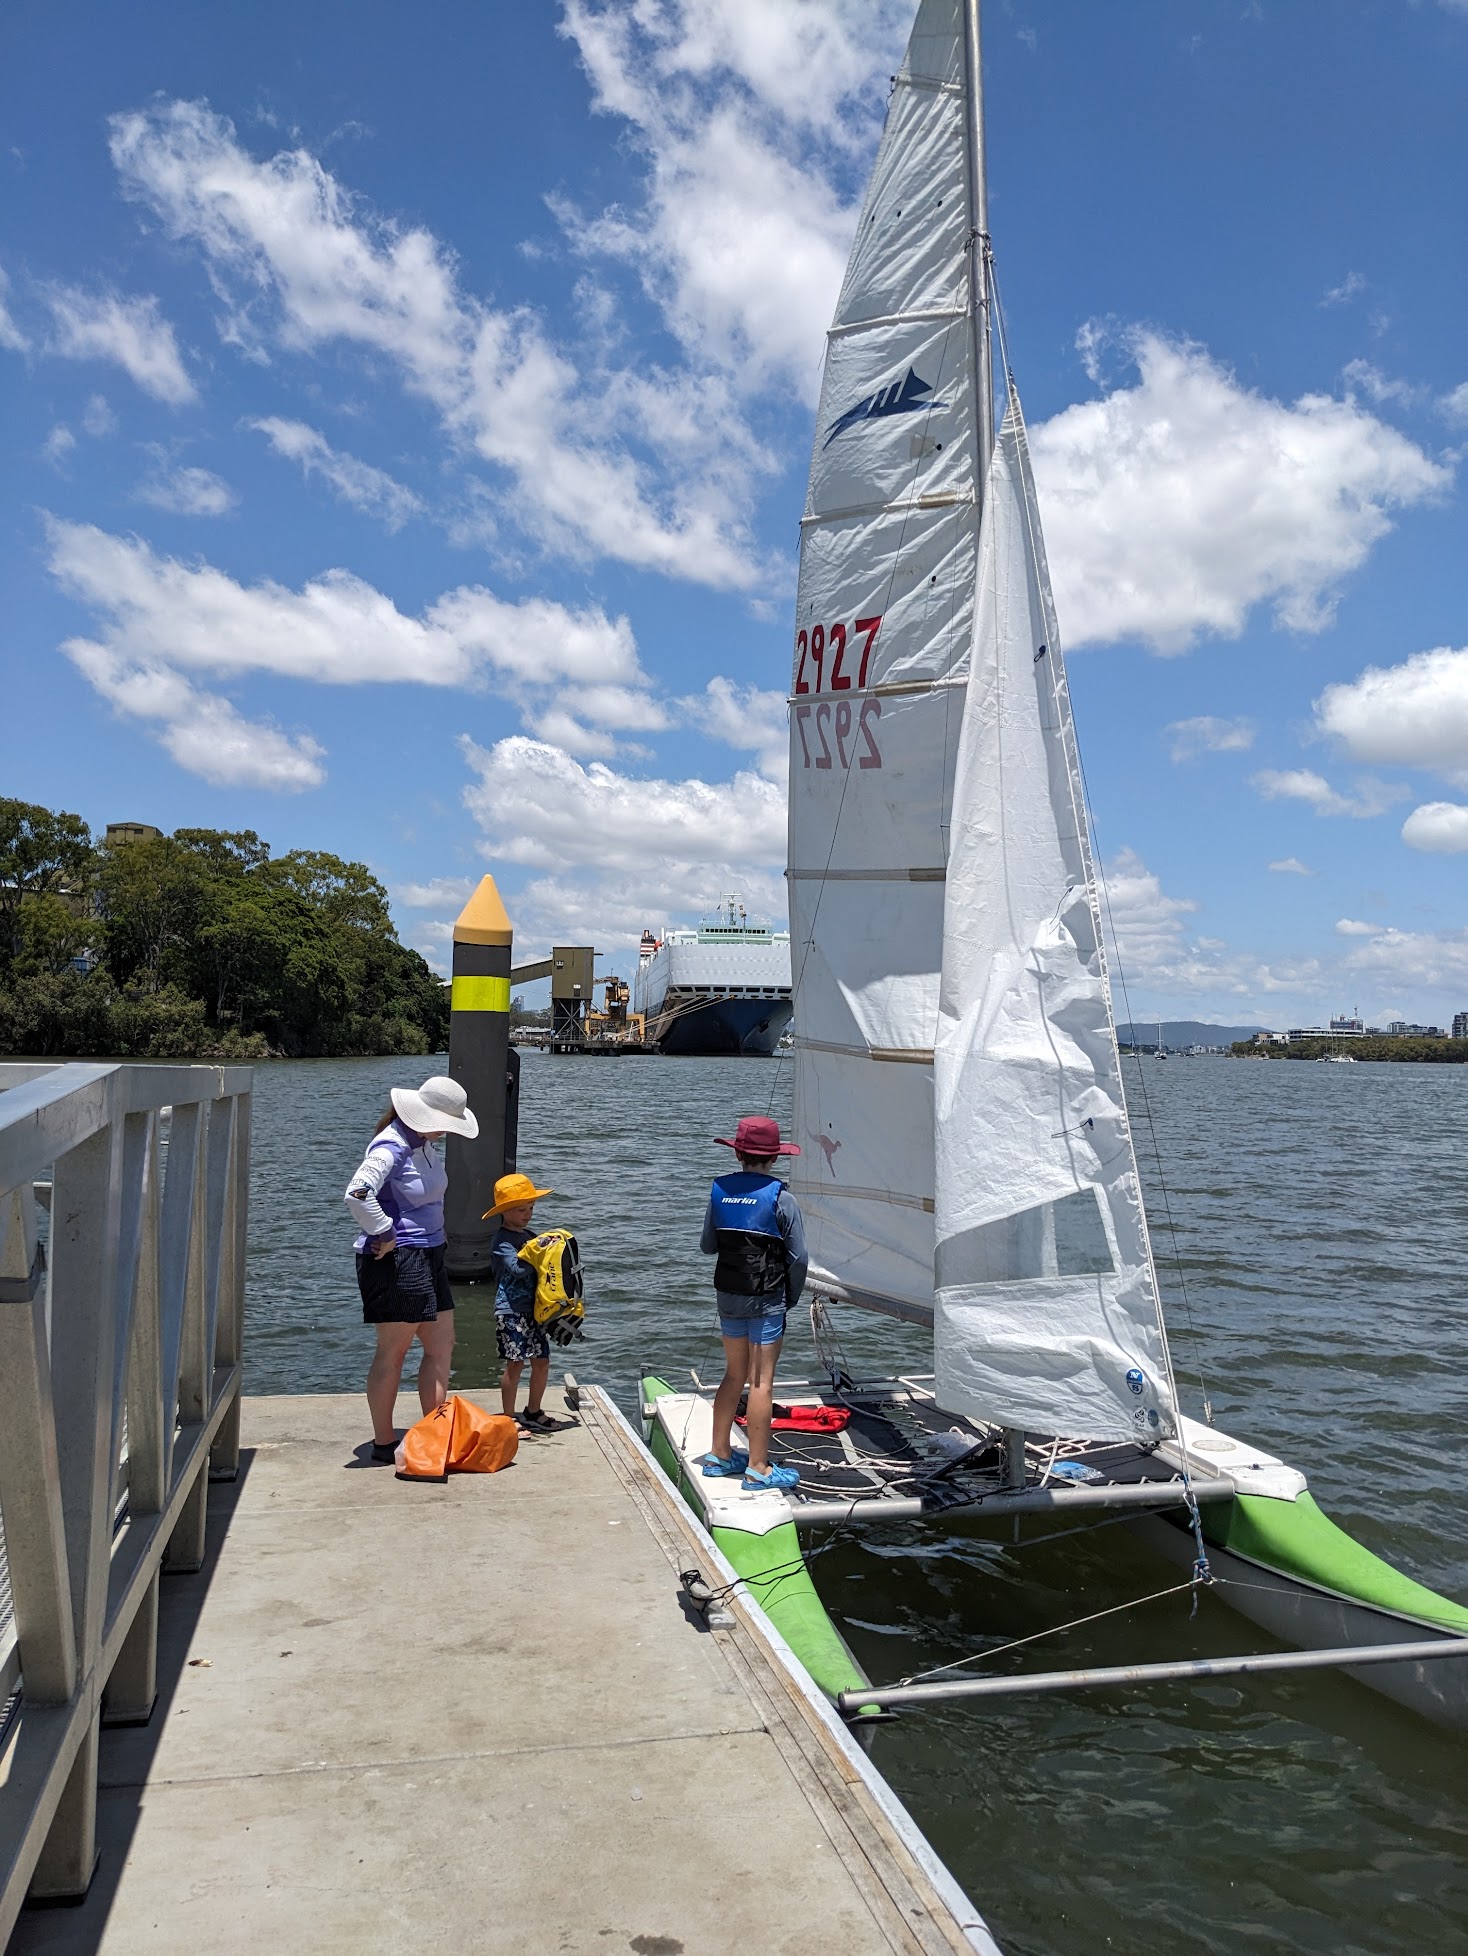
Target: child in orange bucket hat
pixel 516 1333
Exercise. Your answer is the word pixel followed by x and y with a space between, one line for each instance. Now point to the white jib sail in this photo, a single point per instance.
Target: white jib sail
pixel 1047 1313
pixel 884 620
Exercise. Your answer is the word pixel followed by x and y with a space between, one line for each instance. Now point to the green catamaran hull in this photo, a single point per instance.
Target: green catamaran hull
pixel 1280 1563
pixel 1289 1568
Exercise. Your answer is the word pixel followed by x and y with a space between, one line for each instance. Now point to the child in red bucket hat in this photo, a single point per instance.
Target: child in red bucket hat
pixel 754 1227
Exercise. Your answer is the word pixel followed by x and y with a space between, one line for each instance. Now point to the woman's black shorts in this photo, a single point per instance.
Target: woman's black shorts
pixel 407 1286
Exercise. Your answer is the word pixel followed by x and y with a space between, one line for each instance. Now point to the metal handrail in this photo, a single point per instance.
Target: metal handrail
pixel 120 1367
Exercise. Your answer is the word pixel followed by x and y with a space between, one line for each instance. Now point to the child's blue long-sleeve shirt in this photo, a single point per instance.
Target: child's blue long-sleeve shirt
pixel 515 1281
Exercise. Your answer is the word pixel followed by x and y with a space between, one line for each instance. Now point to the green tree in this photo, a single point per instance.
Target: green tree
pixel 41 854
pixel 209 947
pixel 152 898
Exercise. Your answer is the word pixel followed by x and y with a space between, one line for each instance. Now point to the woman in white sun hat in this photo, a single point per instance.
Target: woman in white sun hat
pixel 396 1200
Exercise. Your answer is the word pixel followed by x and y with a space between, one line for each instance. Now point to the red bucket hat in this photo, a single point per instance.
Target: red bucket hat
pixel 757 1137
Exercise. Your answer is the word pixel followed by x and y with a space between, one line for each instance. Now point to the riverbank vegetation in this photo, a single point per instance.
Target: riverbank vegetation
pixel 1360 1048
pixel 199 944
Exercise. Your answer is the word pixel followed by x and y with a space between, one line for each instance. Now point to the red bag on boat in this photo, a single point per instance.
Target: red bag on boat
pixel 809 1419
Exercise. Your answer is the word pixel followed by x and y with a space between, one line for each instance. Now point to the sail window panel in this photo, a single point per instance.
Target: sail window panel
pixel 894 816
pixel 894 417
pixel 914 570
pixel 908 252
pixel 1067 1238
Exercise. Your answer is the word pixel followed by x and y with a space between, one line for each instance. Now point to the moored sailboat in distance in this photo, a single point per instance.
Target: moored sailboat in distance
pixel 968 1162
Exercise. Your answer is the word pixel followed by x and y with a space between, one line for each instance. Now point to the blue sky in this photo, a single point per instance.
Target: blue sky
pixel 407 413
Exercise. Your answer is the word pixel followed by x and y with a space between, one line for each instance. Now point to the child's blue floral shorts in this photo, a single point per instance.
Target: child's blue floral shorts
pixel 519 1338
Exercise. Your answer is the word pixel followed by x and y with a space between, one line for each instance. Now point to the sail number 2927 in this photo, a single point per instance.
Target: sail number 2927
pixel 827 654
pixel 836 732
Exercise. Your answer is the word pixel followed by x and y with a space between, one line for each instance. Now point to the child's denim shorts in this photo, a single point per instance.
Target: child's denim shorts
pixel 767 1329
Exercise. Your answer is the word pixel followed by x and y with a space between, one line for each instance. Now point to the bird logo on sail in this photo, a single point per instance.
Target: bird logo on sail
pixel 902 397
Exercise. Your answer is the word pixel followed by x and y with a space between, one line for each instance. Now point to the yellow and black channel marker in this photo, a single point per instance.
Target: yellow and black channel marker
pixel 479 1057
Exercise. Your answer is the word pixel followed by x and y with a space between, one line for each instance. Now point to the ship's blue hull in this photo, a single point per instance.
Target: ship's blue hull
pixel 728 1027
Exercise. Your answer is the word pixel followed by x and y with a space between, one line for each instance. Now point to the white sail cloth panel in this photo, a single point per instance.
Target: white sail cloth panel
pixel 1047 1315
pixel 885 601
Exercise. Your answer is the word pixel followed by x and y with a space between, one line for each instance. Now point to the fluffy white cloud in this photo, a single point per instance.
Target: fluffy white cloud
pixel 131 332
pixel 301 263
pixel 1175 506
pixel 751 193
pixel 186 491
pixel 1439 827
pixel 621 852
pixel 205 733
pixel 1413 963
pixel 745 718
pixel 455 890
pixel 58 445
pixel 538 806
pixel 1415 714
pixel 1453 406
pixel 98 418
pixel 162 617
pixel 1181 973
pixel 11 337
pixel 1350 287
pixel 1302 784
pixel 355 482
pixel 1209 735
pixel 1353 927
pixel 337 628
pixel 1291 866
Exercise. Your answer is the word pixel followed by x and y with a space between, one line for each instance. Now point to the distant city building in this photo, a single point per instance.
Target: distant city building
pixel 120 833
pixel 1343 1025
pixel 1460 1025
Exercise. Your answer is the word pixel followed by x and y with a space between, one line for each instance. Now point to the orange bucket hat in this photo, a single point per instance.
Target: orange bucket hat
pixel 512 1189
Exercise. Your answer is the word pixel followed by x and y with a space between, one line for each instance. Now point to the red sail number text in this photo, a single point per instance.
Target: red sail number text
pixel 826 654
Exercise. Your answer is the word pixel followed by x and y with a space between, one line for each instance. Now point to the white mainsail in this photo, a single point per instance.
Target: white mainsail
pixel 1047 1313
pixel 942 899
pixel 884 622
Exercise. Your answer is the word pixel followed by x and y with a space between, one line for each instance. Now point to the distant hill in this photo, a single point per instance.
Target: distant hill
pixel 1185 1032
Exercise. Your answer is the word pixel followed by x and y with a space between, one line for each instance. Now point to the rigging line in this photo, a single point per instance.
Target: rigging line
pixel 1085 821
pixel 1055 1630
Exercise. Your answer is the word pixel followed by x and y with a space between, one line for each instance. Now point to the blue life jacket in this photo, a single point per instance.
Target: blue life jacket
pixel 752 1255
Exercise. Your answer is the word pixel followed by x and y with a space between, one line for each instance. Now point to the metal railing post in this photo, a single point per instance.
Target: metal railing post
pixel 119 1393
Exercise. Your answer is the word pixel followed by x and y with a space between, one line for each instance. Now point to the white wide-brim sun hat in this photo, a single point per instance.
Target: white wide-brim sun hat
pixel 440 1106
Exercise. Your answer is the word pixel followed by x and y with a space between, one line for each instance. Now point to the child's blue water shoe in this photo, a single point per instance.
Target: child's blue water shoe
pixel 716 1468
pixel 777 1478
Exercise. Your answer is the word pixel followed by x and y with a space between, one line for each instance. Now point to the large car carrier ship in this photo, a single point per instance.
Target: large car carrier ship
pixel 721 989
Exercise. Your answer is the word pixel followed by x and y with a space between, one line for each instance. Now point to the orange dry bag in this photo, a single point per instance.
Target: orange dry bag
pixel 457 1439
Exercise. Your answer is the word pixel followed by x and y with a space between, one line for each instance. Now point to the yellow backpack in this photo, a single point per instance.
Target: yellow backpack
pixel 555 1258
